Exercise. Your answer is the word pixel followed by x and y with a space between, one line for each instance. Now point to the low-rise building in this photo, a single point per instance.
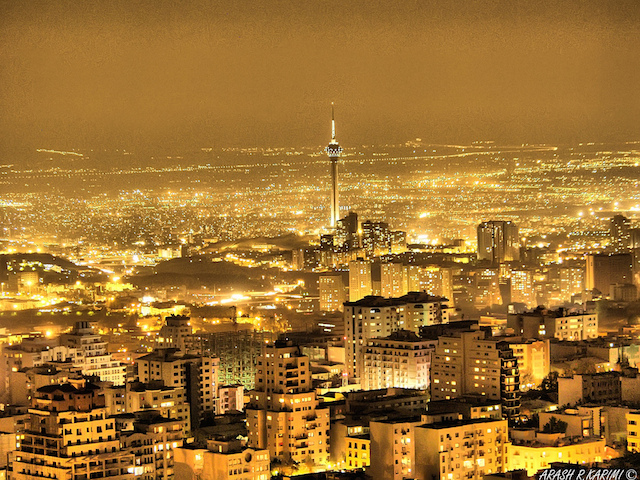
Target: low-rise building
pixel 600 388
pixel 535 451
pixel 582 421
pixel 230 399
pixel 350 447
pixel 561 324
pixel 633 431
pixel 223 460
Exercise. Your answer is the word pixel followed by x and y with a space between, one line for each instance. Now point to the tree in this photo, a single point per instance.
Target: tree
pixel 555 426
pixel 550 382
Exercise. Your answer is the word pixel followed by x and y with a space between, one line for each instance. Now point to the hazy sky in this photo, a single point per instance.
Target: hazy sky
pixel 177 74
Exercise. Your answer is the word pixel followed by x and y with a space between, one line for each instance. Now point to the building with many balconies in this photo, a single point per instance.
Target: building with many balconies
pixel 69 435
pixel 283 414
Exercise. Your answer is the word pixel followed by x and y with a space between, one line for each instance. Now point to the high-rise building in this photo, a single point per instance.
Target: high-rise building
pixel 376 239
pixel 360 281
pixel 347 232
pixel 332 292
pixel 152 439
pixel 413 275
pixel 431 279
pixel 397 241
pixel 401 360
pixel 522 290
pixel 197 375
pixel 373 317
pixel 463 449
pixel 333 151
pixel 498 241
pixel 70 436
pixel 487 287
pixel 238 352
pixel 467 363
pixel 326 252
pixel 571 282
pixel 92 355
pixel 392 280
pixel 393 449
pixel 175 333
pixel 283 414
pixel 603 270
pixel 620 233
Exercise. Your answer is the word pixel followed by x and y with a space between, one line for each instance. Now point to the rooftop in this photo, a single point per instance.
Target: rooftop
pixel 409 298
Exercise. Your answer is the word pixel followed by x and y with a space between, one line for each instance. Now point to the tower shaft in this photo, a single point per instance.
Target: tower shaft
pixel 335 206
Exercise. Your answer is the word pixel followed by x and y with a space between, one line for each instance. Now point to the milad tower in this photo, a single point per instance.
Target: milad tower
pixel 334 150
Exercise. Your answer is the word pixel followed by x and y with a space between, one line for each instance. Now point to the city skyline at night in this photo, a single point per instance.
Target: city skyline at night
pixel 199 280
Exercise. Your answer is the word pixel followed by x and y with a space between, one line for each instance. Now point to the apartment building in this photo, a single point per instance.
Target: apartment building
pixel 467 363
pixel 198 376
pixel 283 414
pixel 69 435
pixel 374 317
pixel 464 449
pixel 400 360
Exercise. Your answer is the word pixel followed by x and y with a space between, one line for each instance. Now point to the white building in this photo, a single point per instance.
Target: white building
pixel 374 317
pixel 400 360
pixel 92 355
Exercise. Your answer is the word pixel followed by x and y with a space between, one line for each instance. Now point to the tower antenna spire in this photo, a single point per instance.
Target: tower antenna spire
pixel 333 125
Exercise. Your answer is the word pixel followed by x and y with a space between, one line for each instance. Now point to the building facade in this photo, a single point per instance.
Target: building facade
pixel 467 363
pixel 283 414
